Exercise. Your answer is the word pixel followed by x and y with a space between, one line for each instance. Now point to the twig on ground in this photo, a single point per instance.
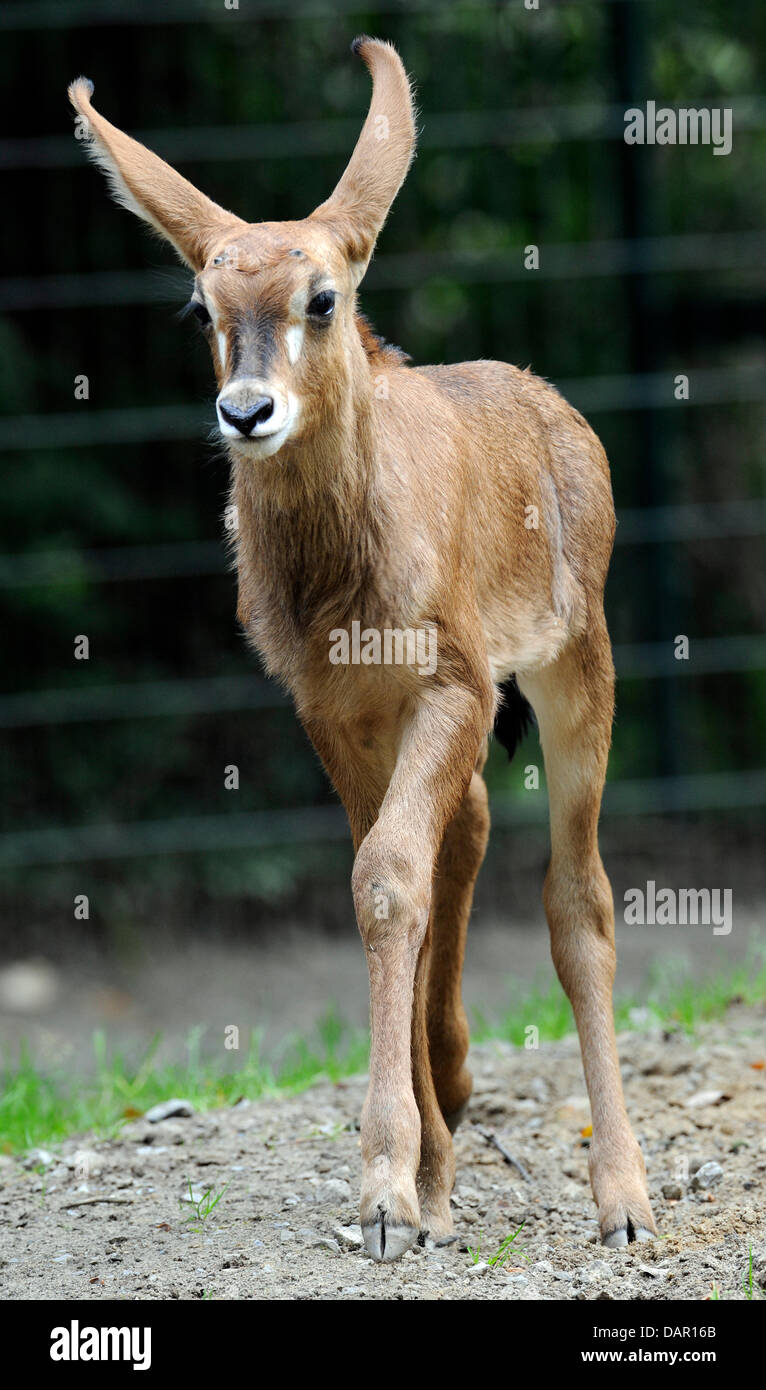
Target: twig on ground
pixel 492 1139
pixel 91 1201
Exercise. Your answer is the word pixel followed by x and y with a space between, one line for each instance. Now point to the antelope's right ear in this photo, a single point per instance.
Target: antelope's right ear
pixel 147 186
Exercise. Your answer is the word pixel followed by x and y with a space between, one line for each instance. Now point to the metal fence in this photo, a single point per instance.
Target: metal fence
pixel 640 256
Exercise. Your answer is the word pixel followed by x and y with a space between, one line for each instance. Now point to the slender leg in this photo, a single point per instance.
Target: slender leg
pixel 459 862
pixel 573 701
pixel 392 883
pixel 441 1082
pixel 436 1163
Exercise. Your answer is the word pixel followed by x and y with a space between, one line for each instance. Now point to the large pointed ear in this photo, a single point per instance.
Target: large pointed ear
pixel 147 186
pixel 376 171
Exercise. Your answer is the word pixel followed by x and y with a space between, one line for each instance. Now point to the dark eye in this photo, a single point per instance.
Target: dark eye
pixel 200 312
pixel 322 305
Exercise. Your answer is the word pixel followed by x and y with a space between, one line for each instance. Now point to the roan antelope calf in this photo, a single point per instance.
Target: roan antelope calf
pixel 373 493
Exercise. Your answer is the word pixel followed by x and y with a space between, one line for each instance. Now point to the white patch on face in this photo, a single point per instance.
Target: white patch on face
pixel 268 437
pixel 221 339
pixel 294 343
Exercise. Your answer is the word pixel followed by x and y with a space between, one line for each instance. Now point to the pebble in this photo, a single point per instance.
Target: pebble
pixel 349 1236
pixel 702 1098
pixel 86 1162
pixel 169 1109
pixel 334 1190
pixel 706 1176
pixel 672 1191
pixel 39 1156
pixel 28 986
pixel 327 1243
pixel 193 1196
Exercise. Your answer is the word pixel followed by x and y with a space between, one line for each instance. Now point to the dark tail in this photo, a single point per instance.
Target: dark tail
pixel 514 717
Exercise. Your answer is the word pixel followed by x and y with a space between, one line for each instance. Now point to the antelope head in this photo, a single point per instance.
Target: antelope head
pixel 277 300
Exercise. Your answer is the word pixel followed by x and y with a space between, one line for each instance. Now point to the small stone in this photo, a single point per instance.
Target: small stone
pixel 39 1157
pixel 480 1268
pixel 706 1176
pixel 672 1191
pixel 86 1163
pixel 327 1243
pixel 349 1236
pixel 702 1098
pixel 193 1195
pixel 334 1190
pixel 168 1109
pixel 28 986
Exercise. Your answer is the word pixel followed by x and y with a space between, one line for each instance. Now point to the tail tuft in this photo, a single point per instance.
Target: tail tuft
pixel 359 43
pixel 514 717
pixel 80 92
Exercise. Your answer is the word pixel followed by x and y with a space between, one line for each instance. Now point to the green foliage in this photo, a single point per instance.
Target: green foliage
pixel 39 1107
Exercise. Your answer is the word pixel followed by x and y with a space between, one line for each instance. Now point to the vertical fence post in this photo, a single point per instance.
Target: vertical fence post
pixel 641 294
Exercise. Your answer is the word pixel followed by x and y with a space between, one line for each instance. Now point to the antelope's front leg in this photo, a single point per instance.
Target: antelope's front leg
pixel 392 894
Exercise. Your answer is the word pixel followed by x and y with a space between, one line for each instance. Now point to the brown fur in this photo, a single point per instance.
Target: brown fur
pixel 400 497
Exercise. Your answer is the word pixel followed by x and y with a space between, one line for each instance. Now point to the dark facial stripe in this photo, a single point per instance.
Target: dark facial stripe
pixel 255 347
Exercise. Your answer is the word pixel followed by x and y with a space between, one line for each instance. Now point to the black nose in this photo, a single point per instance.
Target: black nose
pixel 246 420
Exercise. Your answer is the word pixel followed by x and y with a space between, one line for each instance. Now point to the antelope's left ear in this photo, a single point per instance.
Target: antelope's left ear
pixel 360 204
pixel 147 186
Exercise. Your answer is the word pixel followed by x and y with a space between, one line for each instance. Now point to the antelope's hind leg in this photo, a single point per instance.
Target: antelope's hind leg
pixel 460 859
pixel 573 701
pixel 440 1033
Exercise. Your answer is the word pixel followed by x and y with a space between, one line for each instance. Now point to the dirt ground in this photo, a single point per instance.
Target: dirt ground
pixel 106 1219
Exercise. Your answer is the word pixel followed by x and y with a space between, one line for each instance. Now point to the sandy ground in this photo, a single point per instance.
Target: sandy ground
pixel 109 1219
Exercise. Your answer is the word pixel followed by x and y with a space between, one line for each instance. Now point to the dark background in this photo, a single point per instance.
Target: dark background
pixel 652 264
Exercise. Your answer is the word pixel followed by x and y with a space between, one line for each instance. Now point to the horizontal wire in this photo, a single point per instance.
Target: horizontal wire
pixel 693 252
pixel 53 14
pixel 323 824
pixel 185 559
pixel 450 130
pixel 216 694
pixel 156 424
